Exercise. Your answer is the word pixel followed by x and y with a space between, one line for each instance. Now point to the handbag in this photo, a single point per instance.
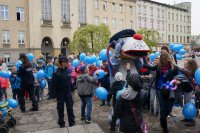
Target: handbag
pixel 143 125
pixel 119 91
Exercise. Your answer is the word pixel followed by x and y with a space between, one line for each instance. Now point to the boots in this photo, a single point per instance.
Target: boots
pixel 163 123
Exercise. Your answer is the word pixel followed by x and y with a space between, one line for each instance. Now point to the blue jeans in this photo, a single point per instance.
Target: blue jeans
pixel 86 101
pixel 3 91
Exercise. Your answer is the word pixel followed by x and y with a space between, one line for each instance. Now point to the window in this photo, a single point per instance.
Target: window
pixel 131 10
pixel 184 19
pixel 172 27
pixel 177 39
pixel 6 37
pixel 172 16
pixel 46 10
pixel 163 14
pixel 184 39
pixel 144 10
pixel 105 5
pixel 113 22
pixel 6 57
pixel 96 4
pixel 65 10
pixel 158 25
pixel 180 39
pixel 172 38
pixel 96 20
pixel 82 11
pixel 113 7
pixel 121 22
pixel 168 27
pixel 145 23
pixel 188 19
pixel 151 11
pixel 4 12
pixel 176 17
pixel 120 8
pixel 169 39
pixel 152 24
pixel 176 28
pixel 181 28
pixel 20 14
pixel 163 26
pixel 162 37
pixel 168 15
pixel 131 24
pixel 21 37
pixel 139 9
pixel 139 23
pixel 181 19
pixel 105 20
pixel 158 10
pixel 188 29
pixel 188 39
pixel 184 29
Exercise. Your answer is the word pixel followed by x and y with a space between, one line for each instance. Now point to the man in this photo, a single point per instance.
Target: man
pixel 62 90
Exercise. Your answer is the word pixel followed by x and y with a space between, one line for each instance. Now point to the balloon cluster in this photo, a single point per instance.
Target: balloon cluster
pixel 197 76
pixel 169 85
pixel 5 74
pixel 179 49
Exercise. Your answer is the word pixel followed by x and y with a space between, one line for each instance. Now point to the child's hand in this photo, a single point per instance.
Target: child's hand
pixel 128 66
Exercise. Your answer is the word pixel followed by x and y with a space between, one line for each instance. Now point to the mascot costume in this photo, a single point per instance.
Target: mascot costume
pixel 128 48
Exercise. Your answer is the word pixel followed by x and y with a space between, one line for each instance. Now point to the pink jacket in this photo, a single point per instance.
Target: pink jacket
pixel 4 83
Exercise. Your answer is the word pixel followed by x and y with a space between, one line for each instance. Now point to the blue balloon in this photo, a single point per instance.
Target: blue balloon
pixel 93 59
pixel 157 54
pixel 18 64
pixel 87 60
pixel 75 63
pixel 43 84
pixel 176 48
pixel 152 57
pixel 82 56
pixel 171 45
pixel 101 93
pixel 13 103
pixel 179 57
pixel 103 54
pixel 197 76
pixel 30 57
pixel 100 72
pixel 98 63
pixel 189 111
pixel 4 74
pixel 40 74
pixel 182 51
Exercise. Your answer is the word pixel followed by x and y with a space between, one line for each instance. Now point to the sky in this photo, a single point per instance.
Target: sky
pixel 195 13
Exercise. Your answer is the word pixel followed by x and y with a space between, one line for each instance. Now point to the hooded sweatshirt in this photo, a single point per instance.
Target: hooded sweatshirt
pixel 85 85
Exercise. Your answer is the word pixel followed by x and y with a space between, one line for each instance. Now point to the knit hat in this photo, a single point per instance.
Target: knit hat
pixel 63 59
pixel 119 76
pixel 82 69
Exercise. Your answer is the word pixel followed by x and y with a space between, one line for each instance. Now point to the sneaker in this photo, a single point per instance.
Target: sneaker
pixel 62 126
pixel 72 124
pixel 82 118
pixel 87 121
pixel 23 110
pixel 172 114
pixel 34 109
pixel 190 123
pixel 184 120
pixel 108 104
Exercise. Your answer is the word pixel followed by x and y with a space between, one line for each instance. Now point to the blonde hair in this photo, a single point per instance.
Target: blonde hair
pixel 166 59
pixel 192 65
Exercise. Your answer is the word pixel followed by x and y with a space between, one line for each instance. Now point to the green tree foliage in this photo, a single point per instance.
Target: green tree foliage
pixel 90 38
pixel 151 37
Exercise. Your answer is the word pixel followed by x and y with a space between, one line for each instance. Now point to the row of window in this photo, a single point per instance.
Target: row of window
pixel 181 18
pixel 6 37
pixel 143 9
pixel 114 22
pixel 182 28
pixel 142 23
pixel 4 13
pixel 114 6
pixel 179 39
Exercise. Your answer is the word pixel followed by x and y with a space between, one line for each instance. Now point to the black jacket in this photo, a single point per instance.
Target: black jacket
pixel 61 82
pixel 115 86
pixel 26 75
pixel 105 81
pixel 127 119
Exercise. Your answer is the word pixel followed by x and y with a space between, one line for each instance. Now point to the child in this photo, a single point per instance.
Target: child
pixel 129 106
pixel 85 90
pixel 15 82
pixel 4 86
pixel 117 85
pixel 38 91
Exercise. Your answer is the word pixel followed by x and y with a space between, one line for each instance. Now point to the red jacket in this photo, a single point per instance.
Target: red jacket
pixel 92 69
pixel 4 83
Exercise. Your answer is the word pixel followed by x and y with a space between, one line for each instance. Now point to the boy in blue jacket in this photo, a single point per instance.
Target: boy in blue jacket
pixel 15 82
pixel 49 70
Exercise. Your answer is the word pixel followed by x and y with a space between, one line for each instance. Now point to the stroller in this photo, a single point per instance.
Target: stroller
pixel 6 119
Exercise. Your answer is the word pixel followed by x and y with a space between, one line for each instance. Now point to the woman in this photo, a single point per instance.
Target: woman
pixel 165 71
pixel 129 106
pixel 27 83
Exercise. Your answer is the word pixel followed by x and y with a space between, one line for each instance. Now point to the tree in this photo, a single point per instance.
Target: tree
pixel 90 38
pixel 151 37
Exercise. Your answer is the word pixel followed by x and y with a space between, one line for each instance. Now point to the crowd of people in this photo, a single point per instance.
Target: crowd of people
pixel 138 91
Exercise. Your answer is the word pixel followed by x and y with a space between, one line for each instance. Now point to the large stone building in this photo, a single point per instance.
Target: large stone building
pixel 47 26
pixel 172 21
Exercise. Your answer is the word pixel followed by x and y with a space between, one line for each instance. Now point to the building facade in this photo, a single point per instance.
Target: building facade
pixel 14 32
